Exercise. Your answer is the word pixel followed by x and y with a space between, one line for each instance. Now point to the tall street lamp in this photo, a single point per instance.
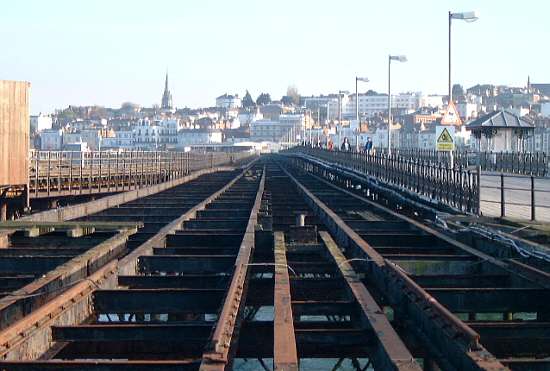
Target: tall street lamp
pixel 357 79
pixel 399 58
pixel 465 16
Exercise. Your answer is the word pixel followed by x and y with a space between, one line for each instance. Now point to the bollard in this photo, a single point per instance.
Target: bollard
pixel 533 207
pixel 3 211
pixel 502 206
pixel 301 220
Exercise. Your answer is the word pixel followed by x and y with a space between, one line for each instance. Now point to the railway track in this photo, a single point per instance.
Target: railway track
pixel 41 259
pixel 280 269
pixel 467 309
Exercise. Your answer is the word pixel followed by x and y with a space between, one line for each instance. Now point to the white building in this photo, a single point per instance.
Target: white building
pixel 520 111
pixel 328 104
pixel 228 101
pixel 467 111
pixel 76 147
pixel 168 132
pixel 273 131
pixel 92 137
pixel 189 137
pixel 122 139
pixel 294 119
pixel 41 122
pixel 370 105
pixel 245 118
pixel 146 135
pixel 283 129
pixel 72 137
pixel 51 139
pixel 434 101
pixel 545 109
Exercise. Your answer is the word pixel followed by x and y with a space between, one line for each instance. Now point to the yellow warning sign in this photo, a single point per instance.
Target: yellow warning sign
pixel 444 138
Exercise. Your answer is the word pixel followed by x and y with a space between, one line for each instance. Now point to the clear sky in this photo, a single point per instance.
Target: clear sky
pixel 109 51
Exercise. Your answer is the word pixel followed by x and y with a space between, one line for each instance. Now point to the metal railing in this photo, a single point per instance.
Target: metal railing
pixel 65 173
pixel 457 187
pixel 515 196
pixel 523 163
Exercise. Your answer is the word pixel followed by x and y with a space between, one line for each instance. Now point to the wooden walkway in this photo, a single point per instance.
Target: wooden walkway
pixel 517 196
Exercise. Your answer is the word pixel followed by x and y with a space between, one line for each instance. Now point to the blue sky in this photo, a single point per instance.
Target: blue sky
pixel 106 52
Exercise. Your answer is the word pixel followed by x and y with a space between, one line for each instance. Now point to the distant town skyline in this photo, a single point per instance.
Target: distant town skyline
pixel 106 53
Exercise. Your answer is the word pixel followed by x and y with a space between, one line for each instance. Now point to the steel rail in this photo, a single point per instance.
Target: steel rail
pixel 221 348
pixel 285 355
pixel 34 328
pixel 390 352
pixel 467 352
pixel 31 296
pixel 510 266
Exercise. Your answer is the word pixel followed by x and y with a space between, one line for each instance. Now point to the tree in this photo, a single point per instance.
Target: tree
pixel 247 101
pixel 458 91
pixel 287 100
pixel 263 99
pixel 129 106
pixel 67 114
pixel 292 92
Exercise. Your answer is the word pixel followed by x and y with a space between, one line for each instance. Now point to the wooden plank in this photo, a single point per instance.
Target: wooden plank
pixel 14 132
pixel 284 351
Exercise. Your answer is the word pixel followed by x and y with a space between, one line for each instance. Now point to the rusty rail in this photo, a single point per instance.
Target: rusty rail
pixel 229 321
pixel 285 355
pixel 447 329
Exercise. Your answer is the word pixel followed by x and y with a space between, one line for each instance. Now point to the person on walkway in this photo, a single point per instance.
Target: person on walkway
pixel 330 145
pixel 368 146
pixel 345 145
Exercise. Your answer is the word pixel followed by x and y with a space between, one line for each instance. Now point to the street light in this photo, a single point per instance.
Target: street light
pixel 398 58
pixel 357 79
pixel 464 16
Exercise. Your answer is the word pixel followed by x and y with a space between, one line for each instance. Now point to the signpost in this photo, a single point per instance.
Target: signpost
pixel 445 133
pixel 445 140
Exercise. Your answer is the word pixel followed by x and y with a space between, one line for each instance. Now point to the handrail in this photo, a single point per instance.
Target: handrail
pixel 53 173
pixel 456 187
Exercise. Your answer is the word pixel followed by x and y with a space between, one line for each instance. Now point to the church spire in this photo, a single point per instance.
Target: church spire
pixel 166 102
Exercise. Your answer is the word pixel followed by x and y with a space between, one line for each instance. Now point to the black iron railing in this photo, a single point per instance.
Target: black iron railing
pixel 522 163
pixel 457 187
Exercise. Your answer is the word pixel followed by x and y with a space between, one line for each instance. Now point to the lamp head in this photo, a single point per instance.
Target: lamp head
pixel 399 58
pixel 471 16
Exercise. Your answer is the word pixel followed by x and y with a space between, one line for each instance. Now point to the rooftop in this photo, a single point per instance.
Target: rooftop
pixel 500 119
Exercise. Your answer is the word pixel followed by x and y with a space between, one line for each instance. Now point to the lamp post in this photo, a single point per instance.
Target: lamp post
pixel 399 58
pixel 465 16
pixel 341 94
pixel 357 79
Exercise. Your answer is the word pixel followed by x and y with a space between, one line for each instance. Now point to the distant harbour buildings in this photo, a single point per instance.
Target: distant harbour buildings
pixel 305 119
